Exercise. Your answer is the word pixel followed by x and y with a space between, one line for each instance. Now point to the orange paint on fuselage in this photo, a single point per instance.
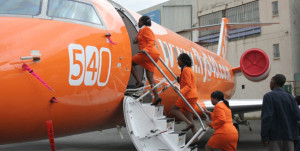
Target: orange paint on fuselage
pixel 25 104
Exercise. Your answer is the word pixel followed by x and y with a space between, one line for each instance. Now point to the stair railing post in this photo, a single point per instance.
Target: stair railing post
pixel 182 97
pixel 176 90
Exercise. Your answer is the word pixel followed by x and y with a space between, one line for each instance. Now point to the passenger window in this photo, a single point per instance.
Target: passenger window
pixel 20 7
pixel 70 9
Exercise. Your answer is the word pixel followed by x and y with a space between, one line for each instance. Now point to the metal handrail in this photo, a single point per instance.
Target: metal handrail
pixel 166 87
pixel 168 68
pixel 207 117
pixel 178 92
pixel 157 85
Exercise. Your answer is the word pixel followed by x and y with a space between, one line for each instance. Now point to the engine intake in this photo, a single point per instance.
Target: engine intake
pixel 255 64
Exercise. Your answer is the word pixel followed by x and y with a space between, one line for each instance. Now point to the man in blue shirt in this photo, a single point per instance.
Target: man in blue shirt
pixel 279 116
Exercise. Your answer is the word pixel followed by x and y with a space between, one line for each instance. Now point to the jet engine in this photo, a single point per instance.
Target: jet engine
pixel 255 64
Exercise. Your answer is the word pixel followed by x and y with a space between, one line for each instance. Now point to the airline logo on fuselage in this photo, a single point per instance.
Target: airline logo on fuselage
pixel 204 64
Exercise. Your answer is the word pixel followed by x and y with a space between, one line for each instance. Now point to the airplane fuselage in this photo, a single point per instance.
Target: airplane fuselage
pixel 88 74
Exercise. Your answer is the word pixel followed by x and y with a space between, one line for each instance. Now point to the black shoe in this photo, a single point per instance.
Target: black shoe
pixel 195 143
pixel 188 128
pixel 157 101
pixel 140 85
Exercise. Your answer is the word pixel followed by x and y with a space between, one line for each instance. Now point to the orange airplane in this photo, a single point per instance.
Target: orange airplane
pixel 69 62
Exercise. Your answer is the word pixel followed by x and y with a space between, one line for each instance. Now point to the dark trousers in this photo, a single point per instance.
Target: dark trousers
pixel 297 148
pixel 281 145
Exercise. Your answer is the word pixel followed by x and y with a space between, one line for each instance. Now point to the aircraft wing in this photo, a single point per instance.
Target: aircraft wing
pixel 239 105
pixel 246 25
pixel 203 28
pixel 231 26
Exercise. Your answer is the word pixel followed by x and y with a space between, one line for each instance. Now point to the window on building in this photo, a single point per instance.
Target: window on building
pixel 244 13
pixel 276 51
pixel 20 7
pixel 275 8
pixel 248 12
pixel 210 19
pixel 73 10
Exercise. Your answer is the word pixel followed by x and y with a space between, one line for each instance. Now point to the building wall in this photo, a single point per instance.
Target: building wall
pixel 295 39
pixel 274 34
pixel 177 15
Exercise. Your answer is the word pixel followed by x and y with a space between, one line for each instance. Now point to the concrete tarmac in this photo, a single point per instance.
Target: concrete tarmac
pixel 110 140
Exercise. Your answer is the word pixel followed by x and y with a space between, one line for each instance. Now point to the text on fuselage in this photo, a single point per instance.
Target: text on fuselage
pixel 205 64
pixel 89 66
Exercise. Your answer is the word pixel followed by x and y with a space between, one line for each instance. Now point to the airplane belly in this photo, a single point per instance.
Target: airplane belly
pixel 88 76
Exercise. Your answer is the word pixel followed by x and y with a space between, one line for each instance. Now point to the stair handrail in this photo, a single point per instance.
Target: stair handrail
pixel 207 117
pixel 179 93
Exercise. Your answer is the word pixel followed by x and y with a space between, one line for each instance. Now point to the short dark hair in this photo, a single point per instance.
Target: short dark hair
pixel 297 98
pixel 186 59
pixel 279 79
pixel 146 20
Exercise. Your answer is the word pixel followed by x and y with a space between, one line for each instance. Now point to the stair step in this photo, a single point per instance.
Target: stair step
pixel 170 124
pixel 140 121
pixel 150 130
pixel 154 132
pixel 178 139
pixel 156 112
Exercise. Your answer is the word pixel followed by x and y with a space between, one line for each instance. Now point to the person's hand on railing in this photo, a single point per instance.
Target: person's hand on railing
pixel 142 51
pixel 134 40
pixel 207 112
pixel 208 123
pixel 176 88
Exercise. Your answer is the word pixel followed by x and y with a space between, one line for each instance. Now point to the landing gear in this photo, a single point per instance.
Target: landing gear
pixel 240 120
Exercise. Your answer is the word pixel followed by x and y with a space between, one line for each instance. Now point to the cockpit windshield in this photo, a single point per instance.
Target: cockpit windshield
pixel 74 10
pixel 20 7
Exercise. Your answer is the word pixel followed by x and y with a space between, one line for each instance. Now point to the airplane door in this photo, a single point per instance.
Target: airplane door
pixel 132 31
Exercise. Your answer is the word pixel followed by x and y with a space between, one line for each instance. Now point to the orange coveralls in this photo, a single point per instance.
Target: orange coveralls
pixel 187 88
pixel 146 41
pixel 225 136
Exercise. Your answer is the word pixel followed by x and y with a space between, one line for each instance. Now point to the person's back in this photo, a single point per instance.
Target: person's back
pixel 146 40
pixel 222 119
pixel 188 83
pixel 279 117
pixel 225 136
pixel 282 114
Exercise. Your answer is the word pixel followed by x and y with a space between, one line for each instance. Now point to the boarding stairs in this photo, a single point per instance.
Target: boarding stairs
pixel 148 128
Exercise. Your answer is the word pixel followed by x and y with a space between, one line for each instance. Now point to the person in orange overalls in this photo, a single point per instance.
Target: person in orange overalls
pixel 146 43
pixel 188 89
pixel 225 136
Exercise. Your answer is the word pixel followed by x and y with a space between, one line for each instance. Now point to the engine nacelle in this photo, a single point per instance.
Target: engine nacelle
pixel 255 64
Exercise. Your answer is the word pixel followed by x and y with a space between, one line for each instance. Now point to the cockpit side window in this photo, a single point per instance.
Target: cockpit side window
pixel 74 10
pixel 20 7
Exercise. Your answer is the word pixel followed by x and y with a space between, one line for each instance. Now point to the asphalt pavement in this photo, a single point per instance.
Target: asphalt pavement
pixel 110 140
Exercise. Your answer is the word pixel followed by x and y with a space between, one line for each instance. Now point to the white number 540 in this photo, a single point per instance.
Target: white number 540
pixel 89 65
